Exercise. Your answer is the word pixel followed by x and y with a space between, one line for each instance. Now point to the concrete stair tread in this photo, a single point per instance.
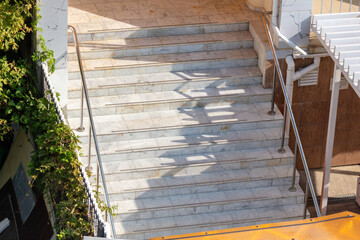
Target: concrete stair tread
pixel 223 116
pixel 205 178
pixel 131 43
pixel 166 77
pixel 210 160
pixel 171 96
pixel 207 198
pixel 209 219
pixel 176 142
pixel 115 29
pixel 161 59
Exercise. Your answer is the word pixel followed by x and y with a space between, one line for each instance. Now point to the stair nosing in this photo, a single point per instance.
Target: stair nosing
pixel 251 39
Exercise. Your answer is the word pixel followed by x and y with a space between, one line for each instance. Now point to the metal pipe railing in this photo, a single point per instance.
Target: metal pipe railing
pixel 92 124
pixel 292 118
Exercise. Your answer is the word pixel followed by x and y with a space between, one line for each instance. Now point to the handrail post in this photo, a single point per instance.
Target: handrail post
pixel 306 198
pixel 88 167
pixel 272 112
pixel 81 128
pixel 282 148
pixel 293 188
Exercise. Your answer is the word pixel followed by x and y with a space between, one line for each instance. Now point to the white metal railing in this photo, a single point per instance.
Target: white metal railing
pixel 337 6
pixel 101 228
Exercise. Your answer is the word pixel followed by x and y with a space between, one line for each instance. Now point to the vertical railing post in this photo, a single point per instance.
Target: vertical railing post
pixel 282 148
pixel 341 1
pixel 306 198
pixel 272 112
pixel 322 4
pixel 88 167
pixel 293 188
pixel 81 128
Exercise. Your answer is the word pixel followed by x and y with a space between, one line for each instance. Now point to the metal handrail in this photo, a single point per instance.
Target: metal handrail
pixel 92 125
pixel 292 118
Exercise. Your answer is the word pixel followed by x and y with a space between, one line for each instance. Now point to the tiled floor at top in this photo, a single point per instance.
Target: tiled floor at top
pixel 102 15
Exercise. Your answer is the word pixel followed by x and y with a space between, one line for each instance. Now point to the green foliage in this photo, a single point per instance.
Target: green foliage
pixel 54 165
pixel 13 26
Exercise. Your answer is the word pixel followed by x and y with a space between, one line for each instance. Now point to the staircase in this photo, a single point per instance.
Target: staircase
pixel 186 141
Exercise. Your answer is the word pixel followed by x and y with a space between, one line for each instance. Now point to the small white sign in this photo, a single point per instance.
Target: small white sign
pixel 4 224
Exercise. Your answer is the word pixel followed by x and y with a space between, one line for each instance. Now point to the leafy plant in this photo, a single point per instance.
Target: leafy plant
pixel 13 27
pixel 54 166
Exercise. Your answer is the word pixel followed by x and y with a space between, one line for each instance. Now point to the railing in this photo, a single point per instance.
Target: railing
pixel 330 7
pixel 101 228
pixel 92 131
pixel 298 145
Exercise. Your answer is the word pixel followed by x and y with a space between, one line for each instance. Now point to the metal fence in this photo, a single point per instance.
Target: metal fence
pixel 335 6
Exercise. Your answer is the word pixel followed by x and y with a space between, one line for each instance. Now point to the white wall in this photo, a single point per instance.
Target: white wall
pixel 294 21
pixel 54 25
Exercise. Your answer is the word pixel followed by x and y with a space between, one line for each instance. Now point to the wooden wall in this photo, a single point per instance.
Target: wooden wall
pixel 311 109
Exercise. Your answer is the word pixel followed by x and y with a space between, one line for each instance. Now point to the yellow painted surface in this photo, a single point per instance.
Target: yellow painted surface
pixel 340 226
pixel 19 152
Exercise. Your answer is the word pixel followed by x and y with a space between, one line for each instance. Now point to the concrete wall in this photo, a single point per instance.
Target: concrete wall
pixel 54 25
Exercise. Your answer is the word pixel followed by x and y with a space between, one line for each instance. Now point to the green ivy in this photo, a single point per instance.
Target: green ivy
pixel 54 166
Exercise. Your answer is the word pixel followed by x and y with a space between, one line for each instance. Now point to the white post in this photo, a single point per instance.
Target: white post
pixel 54 31
pixel 330 139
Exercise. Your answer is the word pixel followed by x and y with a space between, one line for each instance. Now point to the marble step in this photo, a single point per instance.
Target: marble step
pixel 107 67
pixel 176 122
pixel 170 100
pixel 161 45
pixel 195 163
pixel 149 228
pixel 206 229
pixel 114 30
pixel 176 145
pixel 168 81
pixel 212 181
pixel 202 203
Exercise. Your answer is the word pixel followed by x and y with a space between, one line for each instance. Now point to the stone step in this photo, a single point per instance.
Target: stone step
pixel 168 81
pixel 176 145
pixel 115 30
pixel 206 120
pixel 195 163
pixel 202 203
pixel 212 181
pixel 170 100
pixel 107 67
pixel 145 229
pixel 161 45
pixel 207 229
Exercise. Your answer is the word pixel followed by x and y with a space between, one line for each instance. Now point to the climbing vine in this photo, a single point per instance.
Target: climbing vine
pixel 54 166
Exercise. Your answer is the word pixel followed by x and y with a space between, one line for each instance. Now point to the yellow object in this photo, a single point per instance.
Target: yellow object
pixel 341 226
